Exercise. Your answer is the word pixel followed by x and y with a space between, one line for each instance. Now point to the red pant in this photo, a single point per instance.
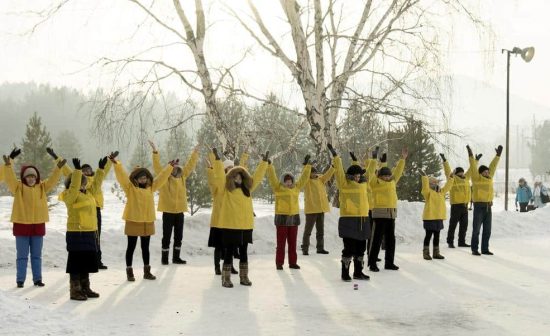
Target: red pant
pixel 284 234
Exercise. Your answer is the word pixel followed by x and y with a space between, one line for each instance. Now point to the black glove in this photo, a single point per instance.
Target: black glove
pixel 102 162
pixel 76 164
pixel 470 153
pixel 15 153
pixel 375 152
pixel 215 152
pixel 61 163
pixel 353 157
pixel 443 157
pixel 265 157
pixel 6 160
pixel 332 151
pixel 51 152
pixel 478 156
pixel 306 159
pixel 114 154
pixel 499 150
pixel 384 158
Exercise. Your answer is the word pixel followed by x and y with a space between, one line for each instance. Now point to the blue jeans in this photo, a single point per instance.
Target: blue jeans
pixel 24 244
pixel 482 218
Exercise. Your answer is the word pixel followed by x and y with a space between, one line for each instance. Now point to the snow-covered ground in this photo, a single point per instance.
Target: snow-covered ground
pixel 506 294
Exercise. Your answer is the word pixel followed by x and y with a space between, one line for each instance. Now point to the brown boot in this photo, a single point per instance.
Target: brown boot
pixel 243 270
pixel 76 291
pixel 147 273
pixel 226 276
pixel 86 290
pixel 130 274
pixel 426 253
pixel 436 253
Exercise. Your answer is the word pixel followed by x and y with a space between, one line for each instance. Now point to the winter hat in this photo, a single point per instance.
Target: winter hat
pixel 384 171
pixel 355 169
pixel 84 166
pixel 30 171
pixel 482 168
pixel 459 170
pixel 228 164
pixel 287 176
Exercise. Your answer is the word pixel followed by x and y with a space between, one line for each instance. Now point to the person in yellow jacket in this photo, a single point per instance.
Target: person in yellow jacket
pixel 287 212
pixel 482 196
pixel 88 171
pixel 235 219
pixel 384 212
pixel 29 214
pixel 173 203
pixel 353 224
pixel 460 196
pixel 315 206
pixel 81 229
pixel 435 211
pixel 139 211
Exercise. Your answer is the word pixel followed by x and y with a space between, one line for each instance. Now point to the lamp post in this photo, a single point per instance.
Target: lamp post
pixel 527 55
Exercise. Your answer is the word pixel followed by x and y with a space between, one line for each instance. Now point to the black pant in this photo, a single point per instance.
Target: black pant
pixel 459 214
pixel 353 248
pixel 228 254
pixel 132 242
pixel 98 235
pixel 428 237
pixel 383 227
pixel 523 206
pixel 172 221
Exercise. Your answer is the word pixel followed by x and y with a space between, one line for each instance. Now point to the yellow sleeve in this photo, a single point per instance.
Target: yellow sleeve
pixel 473 168
pixel 448 185
pixel 339 172
pixel 70 196
pixel 493 166
pixel 10 178
pixel 53 180
pixel 447 168
pixel 397 172
pixel 258 175
pixel 191 164
pixel 157 167
pixel 122 176
pixel 215 176
pixel 370 165
pixel 272 178
pixel 162 178
pixel 108 166
pixel 66 170
pixel 425 187
pixel 327 175
pixel 304 177
pixel 243 160
pixel 98 180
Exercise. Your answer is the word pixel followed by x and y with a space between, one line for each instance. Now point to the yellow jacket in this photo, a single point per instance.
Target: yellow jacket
pixel 97 192
pixel 286 199
pixel 384 193
pixel 140 204
pixel 81 208
pixel 460 192
pixel 235 209
pixel 434 206
pixel 315 193
pixel 378 165
pixel 354 201
pixel 173 194
pixel 483 186
pixel 2 173
pixel 30 204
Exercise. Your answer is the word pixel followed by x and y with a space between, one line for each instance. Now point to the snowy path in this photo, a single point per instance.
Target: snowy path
pixel 506 294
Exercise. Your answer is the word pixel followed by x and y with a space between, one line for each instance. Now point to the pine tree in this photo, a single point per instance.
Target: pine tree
pixel 422 157
pixel 34 145
pixel 198 194
pixel 67 145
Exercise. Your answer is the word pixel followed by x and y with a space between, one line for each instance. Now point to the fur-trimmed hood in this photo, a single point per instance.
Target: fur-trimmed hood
pixel 230 178
pixel 287 174
pixel 139 171
pixel 22 173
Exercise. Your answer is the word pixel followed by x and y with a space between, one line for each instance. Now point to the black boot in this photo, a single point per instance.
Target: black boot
pixel 358 269
pixel 233 270
pixel 345 268
pixel 217 259
pixel 164 258
pixel 176 257
pixel 85 286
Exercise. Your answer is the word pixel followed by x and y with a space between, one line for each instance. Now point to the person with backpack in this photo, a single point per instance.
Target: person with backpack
pixel 541 195
pixel 524 195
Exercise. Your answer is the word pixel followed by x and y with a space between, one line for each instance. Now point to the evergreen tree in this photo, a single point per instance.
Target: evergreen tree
pixel 422 157
pixel 34 145
pixel 141 157
pixel 67 145
pixel 198 193
pixel 540 149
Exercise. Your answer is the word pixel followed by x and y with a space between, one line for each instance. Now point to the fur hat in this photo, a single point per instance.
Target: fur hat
pixel 459 170
pixel 228 164
pixel 384 171
pixel 177 171
pixel 84 166
pixel 139 172
pixel 482 168
pixel 355 169
pixel 230 178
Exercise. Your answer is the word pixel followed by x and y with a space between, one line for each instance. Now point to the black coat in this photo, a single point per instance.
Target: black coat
pixel 354 228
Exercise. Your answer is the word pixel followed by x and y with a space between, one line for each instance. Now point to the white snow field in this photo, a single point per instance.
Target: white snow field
pixel 504 294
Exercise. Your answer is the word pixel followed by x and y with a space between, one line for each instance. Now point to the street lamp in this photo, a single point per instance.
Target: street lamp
pixel 527 55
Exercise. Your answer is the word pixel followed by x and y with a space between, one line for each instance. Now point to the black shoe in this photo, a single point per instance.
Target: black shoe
pixel 39 283
pixel 374 268
pixel 361 276
pixel 451 245
pixel 476 253
pixel 391 267
pixel 19 284
pixel 464 245
pixel 102 267
pixel 305 252
pixel 322 252
pixel 164 258
pixel 294 266
pixel 279 267
pixel 487 253
pixel 233 270
pixel 179 261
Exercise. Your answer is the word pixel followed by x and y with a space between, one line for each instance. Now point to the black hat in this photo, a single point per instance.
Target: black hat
pixel 355 169
pixel 482 168
pixel 384 171
pixel 459 170
pixel 84 166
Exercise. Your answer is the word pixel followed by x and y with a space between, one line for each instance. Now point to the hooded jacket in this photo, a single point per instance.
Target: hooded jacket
pixel 81 207
pixel 482 187
pixel 384 193
pixel 173 194
pixel 286 199
pixel 434 206
pixel 461 192
pixel 315 193
pixel 353 196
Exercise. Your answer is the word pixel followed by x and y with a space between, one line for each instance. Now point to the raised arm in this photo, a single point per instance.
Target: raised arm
pixel 157 167
pixel 327 175
pixel 162 177
pixel 9 176
pixel 191 162
pixel 122 176
pixel 243 160
pixel 448 185
pixel 72 193
pixel 260 172
pixel 494 162
pixel 425 186
pixel 53 180
pixel 272 178
pixel 304 176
